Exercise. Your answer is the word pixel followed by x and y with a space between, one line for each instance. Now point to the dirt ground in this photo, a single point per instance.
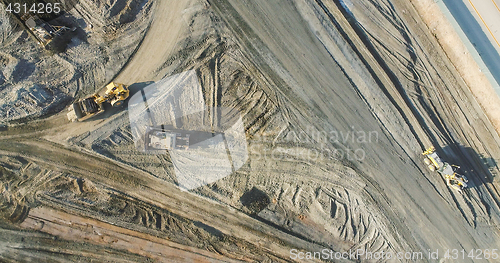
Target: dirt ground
pixel 338 100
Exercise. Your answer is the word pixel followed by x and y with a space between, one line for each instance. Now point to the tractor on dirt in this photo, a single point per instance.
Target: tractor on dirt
pixel 453 179
pixel 113 93
pixel 161 139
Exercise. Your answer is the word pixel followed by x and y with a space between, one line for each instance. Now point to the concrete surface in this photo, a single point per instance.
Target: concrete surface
pixel 478 22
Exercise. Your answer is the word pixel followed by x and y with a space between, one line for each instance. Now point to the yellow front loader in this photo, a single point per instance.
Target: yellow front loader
pixel 434 163
pixel 113 93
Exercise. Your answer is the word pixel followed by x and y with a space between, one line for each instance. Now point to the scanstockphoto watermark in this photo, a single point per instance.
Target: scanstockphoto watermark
pixel 312 154
pixel 358 254
pixel 313 145
pixel 313 135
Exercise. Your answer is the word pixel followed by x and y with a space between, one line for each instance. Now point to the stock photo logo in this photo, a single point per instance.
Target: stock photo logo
pixel 205 143
pixel 315 145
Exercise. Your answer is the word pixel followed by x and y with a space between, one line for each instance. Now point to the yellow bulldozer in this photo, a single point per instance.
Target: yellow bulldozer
pixel 434 163
pixel 113 93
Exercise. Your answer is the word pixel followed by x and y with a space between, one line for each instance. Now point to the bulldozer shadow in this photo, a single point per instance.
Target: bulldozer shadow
pixel 137 87
pixel 478 168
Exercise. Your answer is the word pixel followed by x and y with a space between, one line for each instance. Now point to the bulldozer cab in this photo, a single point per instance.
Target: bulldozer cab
pixel 457 182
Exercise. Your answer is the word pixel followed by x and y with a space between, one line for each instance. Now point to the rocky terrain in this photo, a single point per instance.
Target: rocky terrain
pixel 34 82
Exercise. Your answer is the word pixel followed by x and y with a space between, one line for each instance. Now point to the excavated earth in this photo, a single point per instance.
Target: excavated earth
pixel 338 100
